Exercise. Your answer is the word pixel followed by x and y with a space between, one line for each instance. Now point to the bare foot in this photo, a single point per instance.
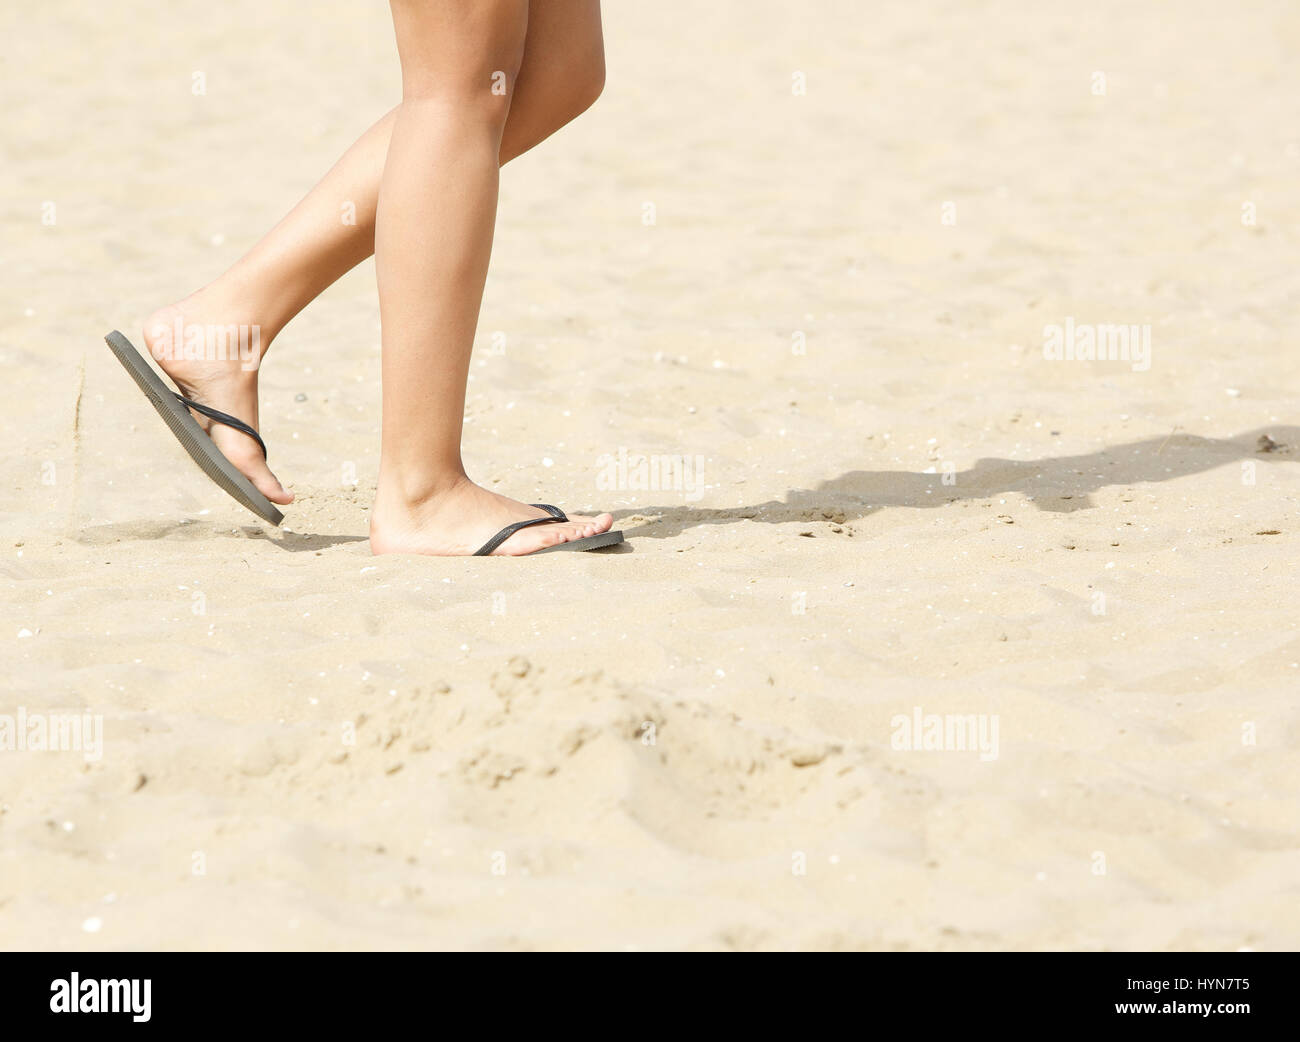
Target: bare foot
pixel 224 379
pixel 460 520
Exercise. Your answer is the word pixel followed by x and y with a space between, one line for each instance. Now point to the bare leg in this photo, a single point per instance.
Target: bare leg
pixel 433 239
pixel 561 75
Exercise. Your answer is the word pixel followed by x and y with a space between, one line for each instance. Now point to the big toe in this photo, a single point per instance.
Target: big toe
pixel 592 525
pixel 267 484
pixel 539 537
pixel 250 462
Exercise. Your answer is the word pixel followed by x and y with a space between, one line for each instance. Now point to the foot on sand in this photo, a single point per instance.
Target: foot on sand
pixel 458 521
pixel 221 379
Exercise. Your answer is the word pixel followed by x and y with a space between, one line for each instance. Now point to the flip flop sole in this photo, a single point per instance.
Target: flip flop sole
pixel 592 542
pixel 193 438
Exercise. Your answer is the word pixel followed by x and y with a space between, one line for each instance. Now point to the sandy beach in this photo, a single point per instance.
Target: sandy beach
pixel 920 639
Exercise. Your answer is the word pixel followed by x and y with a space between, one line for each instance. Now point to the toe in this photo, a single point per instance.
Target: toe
pixel 530 540
pixel 270 487
pixel 252 464
pixel 593 525
pixel 268 484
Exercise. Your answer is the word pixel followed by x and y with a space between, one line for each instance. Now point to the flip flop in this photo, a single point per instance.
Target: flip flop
pixel 591 542
pixel 175 411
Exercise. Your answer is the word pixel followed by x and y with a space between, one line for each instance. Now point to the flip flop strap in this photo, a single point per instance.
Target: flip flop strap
pixel 225 419
pixel 557 515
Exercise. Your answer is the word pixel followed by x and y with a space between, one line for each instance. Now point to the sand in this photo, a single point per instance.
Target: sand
pixel 887 503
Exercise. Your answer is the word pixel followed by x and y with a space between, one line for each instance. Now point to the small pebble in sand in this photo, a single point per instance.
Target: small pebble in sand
pixel 24 633
pixel 299 397
pixel 93 925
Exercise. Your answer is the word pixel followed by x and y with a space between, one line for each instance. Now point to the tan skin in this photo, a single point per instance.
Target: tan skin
pixel 423 181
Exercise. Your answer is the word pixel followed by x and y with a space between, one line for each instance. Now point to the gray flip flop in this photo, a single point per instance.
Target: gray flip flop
pixel 591 542
pixel 175 412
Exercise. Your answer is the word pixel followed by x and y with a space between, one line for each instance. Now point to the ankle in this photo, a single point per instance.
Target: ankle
pixel 422 495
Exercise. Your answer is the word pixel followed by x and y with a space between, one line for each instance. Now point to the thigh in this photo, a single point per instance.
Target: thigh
pixel 459 45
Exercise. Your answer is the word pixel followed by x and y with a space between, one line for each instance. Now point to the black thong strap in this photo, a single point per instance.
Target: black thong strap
pixel 226 419
pixel 556 515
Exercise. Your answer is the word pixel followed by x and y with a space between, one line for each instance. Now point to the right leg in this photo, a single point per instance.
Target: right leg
pixel 433 239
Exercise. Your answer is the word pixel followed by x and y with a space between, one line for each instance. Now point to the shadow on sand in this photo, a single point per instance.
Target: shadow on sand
pixel 192 531
pixel 1060 484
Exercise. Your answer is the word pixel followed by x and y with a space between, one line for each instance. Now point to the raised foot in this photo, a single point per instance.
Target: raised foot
pixel 221 372
pixel 457 522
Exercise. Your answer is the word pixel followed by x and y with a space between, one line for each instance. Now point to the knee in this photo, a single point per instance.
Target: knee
pixel 553 102
pixel 586 81
pixel 456 108
pixel 482 96
pixel 582 86
pixel 479 92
